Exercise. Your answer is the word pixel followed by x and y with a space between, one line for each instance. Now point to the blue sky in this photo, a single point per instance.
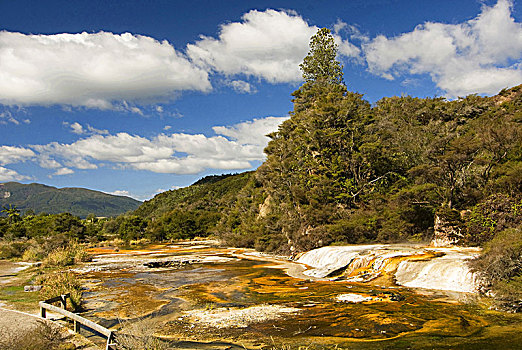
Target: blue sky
pixel 138 97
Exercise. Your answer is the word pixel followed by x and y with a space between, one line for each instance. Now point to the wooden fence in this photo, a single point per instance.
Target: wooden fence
pixel 78 320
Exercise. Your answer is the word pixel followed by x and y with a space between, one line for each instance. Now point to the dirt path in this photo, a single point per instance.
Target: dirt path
pixel 15 323
pixel 9 270
pixel 12 321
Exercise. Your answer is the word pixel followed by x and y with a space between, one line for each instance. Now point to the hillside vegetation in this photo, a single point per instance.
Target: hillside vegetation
pixel 343 171
pixel 51 200
pixel 192 211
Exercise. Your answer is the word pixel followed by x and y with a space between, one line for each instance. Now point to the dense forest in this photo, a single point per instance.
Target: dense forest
pixel 343 171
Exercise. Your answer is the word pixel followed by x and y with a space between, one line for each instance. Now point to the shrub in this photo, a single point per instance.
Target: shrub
pixel 9 250
pixel 500 267
pixel 59 283
pixel 33 253
pixel 140 335
pixel 73 253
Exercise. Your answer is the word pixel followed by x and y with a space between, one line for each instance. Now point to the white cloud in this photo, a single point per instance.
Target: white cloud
pixel 251 132
pixel 242 87
pixel 12 154
pixel 345 47
pixel 100 70
pixel 6 116
pixel 120 193
pixel 64 171
pixel 268 45
pixel 481 55
pixel 45 162
pixel 10 175
pixel 233 148
pixel 78 129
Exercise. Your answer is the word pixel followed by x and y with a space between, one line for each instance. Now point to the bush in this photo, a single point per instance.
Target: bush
pixel 500 267
pixel 33 253
pixel 74 253
pixel 59 283
pixel 9 250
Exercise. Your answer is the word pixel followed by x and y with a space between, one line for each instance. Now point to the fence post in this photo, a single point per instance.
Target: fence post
pixel 63 300
pixel 42 312
pixel 109 342
pixel 77 326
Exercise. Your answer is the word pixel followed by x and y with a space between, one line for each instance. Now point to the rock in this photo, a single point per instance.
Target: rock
pixel 32 288
pixel 446 228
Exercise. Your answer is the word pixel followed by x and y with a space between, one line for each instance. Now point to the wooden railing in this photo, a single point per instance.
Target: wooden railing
pixel 78 320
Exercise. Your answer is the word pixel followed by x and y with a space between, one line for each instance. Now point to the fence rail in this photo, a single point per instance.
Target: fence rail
pixel 78 320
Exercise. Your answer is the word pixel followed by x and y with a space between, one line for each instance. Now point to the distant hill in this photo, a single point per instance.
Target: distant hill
pixel 195 210
pixel 213 193
pixel 77 201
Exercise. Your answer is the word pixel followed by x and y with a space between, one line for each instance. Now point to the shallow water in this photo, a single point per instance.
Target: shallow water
pixel 245 294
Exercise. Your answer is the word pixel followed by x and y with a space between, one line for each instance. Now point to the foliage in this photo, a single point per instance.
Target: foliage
pixel 13 214
pixel 191 211
pixel 340 170
pixel 500 267
pixel 71 254
pixel 58 283
pixel 9 250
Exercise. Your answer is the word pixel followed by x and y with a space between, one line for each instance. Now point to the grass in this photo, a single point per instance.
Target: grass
pixel 58 283
pixel 16 294
pixel 140 335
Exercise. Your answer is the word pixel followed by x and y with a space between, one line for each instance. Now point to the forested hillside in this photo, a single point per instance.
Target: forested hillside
pixel 51 200
pixel 192 211
pixel 343 171
pixel 340 170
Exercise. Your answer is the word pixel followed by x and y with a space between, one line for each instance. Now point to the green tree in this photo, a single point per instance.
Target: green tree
pixel 12 212
pixel 320 65
pixel 313 164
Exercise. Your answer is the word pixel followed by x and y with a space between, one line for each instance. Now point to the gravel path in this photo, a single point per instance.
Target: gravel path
pixel 15 322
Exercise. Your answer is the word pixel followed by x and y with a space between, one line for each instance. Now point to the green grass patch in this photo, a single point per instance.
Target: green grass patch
pixel 16 296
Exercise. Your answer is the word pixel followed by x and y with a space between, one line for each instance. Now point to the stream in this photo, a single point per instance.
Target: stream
pixel 360 297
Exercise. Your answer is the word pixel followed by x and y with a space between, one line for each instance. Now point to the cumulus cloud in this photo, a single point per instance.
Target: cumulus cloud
pixel 242 87
pixel 95 70
pixel 78 129
pixel 481 55
pixel 251 132
pixel 12 154
pixel 63 171
pixel 10 175
pixel 268 45
pixel 232 148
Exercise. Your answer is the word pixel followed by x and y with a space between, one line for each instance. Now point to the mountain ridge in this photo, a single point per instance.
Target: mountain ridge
pixel 78 201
